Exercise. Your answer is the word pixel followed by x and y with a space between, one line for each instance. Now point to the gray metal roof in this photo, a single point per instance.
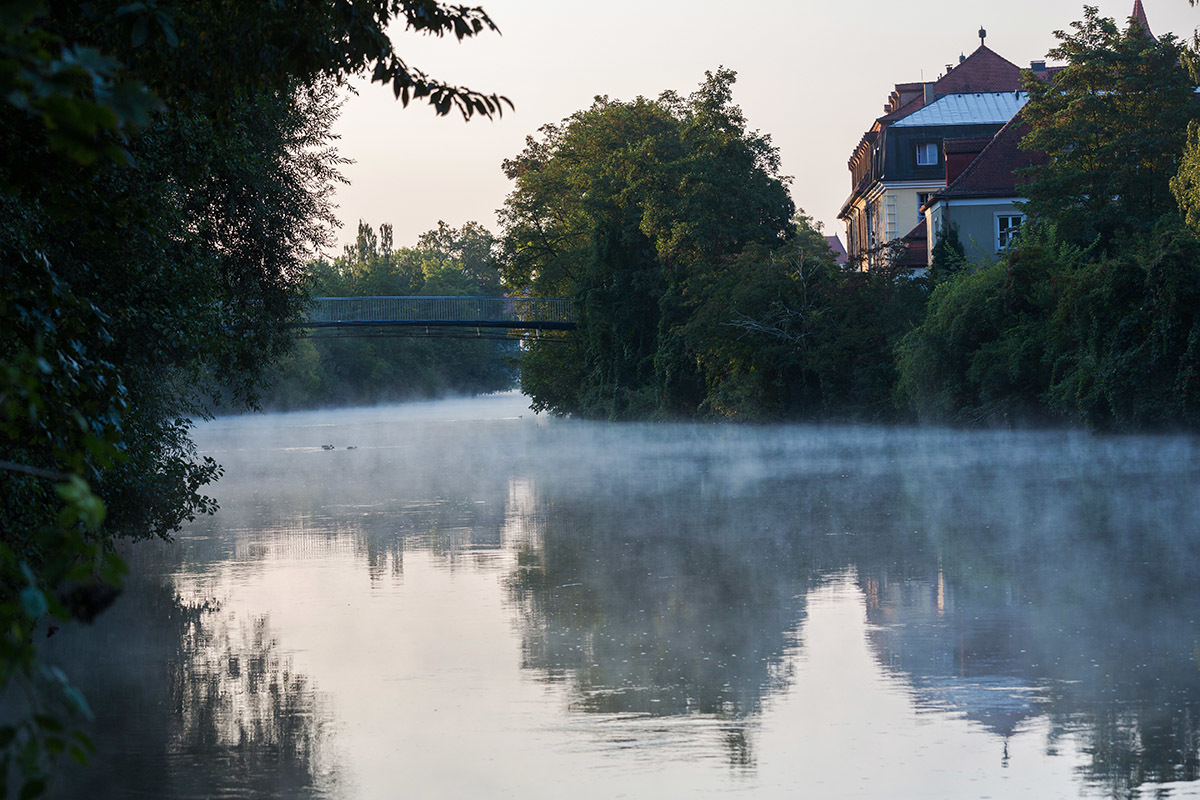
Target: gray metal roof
pixel 967 109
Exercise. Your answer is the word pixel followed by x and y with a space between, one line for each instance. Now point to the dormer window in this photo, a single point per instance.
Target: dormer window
pixel 927 154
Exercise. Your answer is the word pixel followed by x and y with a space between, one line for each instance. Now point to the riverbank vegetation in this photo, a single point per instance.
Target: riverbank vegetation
pixel 699 295
pixel 699 289
pixel 167 174
pixel 1093 317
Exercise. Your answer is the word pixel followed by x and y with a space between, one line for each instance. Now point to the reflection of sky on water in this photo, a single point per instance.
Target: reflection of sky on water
pixel 475 601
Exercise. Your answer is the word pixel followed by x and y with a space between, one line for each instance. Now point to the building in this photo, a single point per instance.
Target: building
pixel 901 160
pixel 982 200
pixel 837 249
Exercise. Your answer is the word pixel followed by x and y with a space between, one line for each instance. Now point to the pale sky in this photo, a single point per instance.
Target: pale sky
pixel 812 75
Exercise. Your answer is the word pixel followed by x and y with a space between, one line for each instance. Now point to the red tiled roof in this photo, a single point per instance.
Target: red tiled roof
pixel 916 248
pixel 912 106
pixel 917 234
pixel 991 174
pixel 953 146
pixel 982 71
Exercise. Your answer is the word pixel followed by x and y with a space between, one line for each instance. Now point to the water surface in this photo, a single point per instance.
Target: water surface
pixel 464 599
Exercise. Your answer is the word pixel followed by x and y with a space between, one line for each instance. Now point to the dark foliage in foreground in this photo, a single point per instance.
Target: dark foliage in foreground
pixel 166 175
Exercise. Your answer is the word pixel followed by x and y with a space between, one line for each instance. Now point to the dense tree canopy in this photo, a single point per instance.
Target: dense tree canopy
pixel 1113 122
pixel 619 207
pixel 784 333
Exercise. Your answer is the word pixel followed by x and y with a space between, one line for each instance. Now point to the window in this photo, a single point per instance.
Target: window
pixel 922 199
pixel 1007 227
pixel 927 154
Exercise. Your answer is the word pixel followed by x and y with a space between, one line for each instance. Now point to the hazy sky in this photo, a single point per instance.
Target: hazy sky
pixel 812 75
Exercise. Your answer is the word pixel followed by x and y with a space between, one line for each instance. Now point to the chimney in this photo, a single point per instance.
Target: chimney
pixel 929 96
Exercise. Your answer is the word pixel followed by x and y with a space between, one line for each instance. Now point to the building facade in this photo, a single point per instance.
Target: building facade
pixel 901 161
pixel 983 203
pixel 982 200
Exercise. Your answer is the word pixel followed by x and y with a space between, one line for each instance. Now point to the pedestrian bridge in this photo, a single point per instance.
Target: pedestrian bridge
pixel 445 316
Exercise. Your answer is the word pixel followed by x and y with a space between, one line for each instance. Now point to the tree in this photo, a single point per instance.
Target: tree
pixel 1092 315
pixel 1114 123
pixel 757 325
pixel 980 354
pixel 337 371
pixel 948 257
pixel 619 206
pixel 166 174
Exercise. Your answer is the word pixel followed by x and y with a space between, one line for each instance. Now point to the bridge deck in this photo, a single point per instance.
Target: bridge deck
pixel 515 313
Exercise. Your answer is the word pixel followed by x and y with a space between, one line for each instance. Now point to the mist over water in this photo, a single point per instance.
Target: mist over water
pixel 465 599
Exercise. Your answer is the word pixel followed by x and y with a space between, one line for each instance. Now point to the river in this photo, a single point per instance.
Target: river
pixel 463 599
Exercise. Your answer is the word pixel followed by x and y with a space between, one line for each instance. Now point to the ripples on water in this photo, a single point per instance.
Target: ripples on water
pixel 464 599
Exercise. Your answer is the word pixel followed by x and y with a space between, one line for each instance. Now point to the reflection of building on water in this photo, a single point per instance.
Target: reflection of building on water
pixel 523 518
pixel 1062 647
pixel 958 658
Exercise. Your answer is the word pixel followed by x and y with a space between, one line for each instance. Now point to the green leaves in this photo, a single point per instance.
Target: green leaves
pixel 1114 122
pixel 623 206
pixel 1185 184
pixel 143 16
pixel 76 90
pixel 168 172
pixel 80 505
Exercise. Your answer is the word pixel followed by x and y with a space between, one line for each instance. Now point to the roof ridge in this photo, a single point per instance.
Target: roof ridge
pixel 983 68
pixel 993 52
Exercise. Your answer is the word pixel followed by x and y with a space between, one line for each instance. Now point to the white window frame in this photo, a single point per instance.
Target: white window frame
pixel 1006 232
pixel 922 199
pixel 927 150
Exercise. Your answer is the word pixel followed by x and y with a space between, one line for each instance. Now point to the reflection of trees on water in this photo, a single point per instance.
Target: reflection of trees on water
pixel 1008 578
pixel 1060 590
pixel 357 503
pixel 1124 687
pixel 192 701
pixel 662 576
pixel 660 606
pixel 239 702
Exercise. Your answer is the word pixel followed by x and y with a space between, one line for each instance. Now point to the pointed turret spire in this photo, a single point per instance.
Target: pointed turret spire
pixel 1139 17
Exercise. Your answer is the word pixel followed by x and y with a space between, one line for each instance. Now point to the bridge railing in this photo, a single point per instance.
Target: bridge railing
pixel 498 312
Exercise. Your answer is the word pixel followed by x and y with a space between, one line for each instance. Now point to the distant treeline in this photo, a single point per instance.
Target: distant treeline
pixel 700 293
pixel 343 371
